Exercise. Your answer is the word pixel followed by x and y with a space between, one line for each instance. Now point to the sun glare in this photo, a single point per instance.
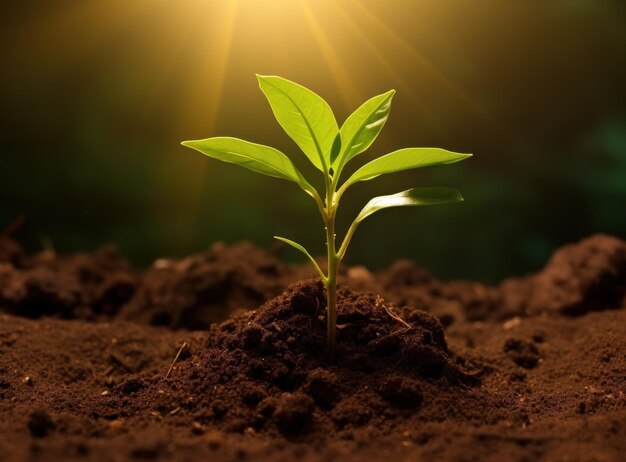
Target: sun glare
pixel 345 49
pixel 339 43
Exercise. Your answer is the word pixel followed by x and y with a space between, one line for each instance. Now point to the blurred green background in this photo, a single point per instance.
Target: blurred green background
pixel 97 94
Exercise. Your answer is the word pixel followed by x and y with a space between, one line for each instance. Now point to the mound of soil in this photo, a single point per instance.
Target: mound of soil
pixel 81 286
pixel 268 370
pixel 533 369
pixel 191 293
pixel 203 289
pixel 194 292
pixel 590 275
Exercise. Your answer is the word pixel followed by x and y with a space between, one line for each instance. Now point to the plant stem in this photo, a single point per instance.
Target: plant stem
pixel 333 263
pixel 331 286
pixel 346 240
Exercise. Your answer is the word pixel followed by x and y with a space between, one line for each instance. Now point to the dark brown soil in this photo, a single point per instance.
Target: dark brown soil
pixel 533 369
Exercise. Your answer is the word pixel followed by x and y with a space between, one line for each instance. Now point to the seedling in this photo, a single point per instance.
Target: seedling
pixel 310 122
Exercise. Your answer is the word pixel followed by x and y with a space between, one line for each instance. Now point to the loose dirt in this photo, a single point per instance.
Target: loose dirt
pixel 221 356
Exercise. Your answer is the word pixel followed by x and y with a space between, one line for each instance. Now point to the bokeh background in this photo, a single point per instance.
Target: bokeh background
pixel 96 95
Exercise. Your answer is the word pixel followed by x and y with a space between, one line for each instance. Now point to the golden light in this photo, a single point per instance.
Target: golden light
pixel 330 40
pixel 207 52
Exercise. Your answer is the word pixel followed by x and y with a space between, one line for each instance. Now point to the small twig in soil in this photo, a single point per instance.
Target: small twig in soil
pixel 317 308
pixel 380 302
pixel 182 347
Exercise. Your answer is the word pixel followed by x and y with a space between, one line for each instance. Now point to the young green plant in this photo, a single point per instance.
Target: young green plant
pixel 310 122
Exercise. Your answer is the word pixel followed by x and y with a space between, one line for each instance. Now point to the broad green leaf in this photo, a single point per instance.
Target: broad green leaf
pixel 304 251
pixel 305 116
pixel 412 197
pixel 255 157
pixel 405 159
pixel 360 130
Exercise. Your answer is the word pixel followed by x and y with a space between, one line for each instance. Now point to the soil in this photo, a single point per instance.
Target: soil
pixel 221 356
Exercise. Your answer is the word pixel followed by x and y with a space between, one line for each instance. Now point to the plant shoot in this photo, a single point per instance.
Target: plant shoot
pixel 310 122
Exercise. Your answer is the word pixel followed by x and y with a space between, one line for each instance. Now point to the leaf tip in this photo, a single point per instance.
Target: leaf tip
pixel 261 79
pixel 265 78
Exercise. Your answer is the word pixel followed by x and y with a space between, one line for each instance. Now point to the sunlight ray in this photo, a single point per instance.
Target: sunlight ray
pixel 167 59
pixel 205 91
pixel 426 64
pixel 206 81
pixel 397 78
pixel 348 90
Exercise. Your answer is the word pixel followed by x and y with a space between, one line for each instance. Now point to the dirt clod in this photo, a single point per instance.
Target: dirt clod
pixel 401 391
pixel 40 423
pixel 523 353
pixel 323 386
pixel 293 412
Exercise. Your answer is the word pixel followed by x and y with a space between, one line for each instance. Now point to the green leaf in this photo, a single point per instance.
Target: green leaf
pixel 360 130
pixel 336 149
pixel 304 251
pixel 410 197
pixel 405 159
pixel 305 116
pixel 255 157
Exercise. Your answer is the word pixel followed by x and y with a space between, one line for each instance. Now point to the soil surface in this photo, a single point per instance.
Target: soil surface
pixel 221 356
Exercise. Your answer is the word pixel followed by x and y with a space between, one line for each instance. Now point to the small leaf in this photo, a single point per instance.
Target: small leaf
pixel 304 251
pixel 405 159
pixel 305 116
pixel 360 130
pixel 410 197
pixel 255 157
